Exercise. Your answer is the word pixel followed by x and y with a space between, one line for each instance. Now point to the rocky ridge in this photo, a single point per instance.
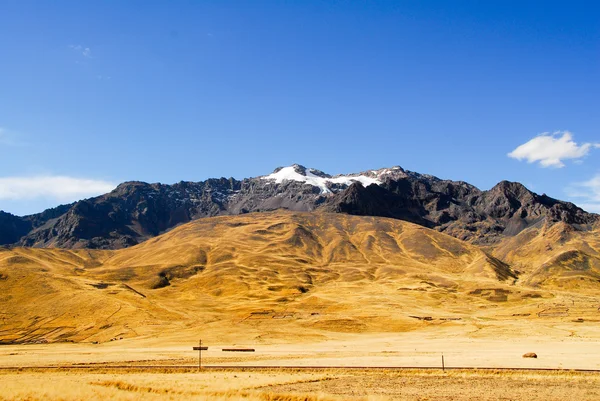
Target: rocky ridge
pixel 137 211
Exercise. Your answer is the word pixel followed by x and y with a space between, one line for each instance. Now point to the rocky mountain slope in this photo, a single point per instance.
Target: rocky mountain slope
pixel 12 227
pixel 137 211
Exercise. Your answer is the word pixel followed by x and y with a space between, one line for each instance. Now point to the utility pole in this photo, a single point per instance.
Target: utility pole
pixel 200 348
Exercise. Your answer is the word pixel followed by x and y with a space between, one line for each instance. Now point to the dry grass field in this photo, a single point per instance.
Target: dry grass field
pixel 297 385
pixel 304 289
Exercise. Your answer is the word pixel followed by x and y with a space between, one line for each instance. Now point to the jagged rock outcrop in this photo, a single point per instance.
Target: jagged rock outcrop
pixel 136 211
pixel 460 209
pixel 12 227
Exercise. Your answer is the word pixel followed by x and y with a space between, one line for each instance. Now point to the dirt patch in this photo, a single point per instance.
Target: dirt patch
pixel 159 282
pixel 169 274
pixel 492 294
pixel 302 289
pixel 101 286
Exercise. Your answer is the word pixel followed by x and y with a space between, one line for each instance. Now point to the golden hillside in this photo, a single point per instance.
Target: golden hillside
pixel 554 257
pixel 285 277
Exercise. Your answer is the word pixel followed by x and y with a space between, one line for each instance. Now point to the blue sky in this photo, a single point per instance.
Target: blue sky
pixel 98 92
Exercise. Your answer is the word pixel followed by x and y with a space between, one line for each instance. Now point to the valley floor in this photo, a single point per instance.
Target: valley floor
pixel 496 346
pixel 352 368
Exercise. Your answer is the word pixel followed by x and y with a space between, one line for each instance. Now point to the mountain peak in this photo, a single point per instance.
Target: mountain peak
pixel 298 168
pixel 318 178
pixel 512 189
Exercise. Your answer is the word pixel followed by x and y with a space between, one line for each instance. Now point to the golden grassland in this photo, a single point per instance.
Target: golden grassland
pixel 298 385
pixel 297 277
pixel 163 385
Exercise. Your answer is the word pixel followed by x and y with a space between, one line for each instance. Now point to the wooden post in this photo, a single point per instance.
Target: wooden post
pixel 443 366
pixel 200 348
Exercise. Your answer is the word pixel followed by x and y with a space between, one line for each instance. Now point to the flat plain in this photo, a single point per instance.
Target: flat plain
pixel 293 384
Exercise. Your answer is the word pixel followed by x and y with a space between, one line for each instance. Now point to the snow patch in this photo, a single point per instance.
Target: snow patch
pixel 291 174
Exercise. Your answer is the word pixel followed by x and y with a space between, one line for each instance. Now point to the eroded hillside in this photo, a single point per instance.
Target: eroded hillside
pixel 284 276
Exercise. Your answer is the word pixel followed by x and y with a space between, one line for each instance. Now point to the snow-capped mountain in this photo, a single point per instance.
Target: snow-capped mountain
pixel 136 211
pixel 326 183
pixel 316 178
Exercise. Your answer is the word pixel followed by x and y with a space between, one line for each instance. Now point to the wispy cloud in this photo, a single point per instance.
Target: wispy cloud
pixel 550 149
pixel 84 51
pixel 59 188
pixel 589 193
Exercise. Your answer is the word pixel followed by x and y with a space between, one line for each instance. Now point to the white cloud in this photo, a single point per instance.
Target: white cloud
pixel 550 149
pixel 589 192
pixel 60 188
pixel 84 51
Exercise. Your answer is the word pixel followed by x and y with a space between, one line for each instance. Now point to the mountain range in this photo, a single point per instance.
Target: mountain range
pixel 137 211
pixel 298 255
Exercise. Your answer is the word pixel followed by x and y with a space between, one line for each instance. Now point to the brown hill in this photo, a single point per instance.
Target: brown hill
pixel 554 256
